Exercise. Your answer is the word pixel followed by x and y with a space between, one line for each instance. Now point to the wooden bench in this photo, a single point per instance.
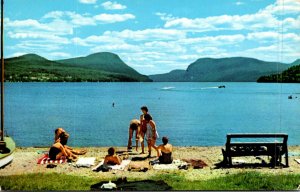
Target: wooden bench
pixel 275 149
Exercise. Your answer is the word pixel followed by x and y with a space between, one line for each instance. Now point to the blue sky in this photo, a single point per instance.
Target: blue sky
pixel 154 36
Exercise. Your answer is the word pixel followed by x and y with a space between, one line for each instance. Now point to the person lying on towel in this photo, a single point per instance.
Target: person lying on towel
pixel 164 152
pixel 112 158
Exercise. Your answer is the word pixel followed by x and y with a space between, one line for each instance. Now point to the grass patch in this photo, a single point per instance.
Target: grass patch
pixel 239 181
pixel 47 181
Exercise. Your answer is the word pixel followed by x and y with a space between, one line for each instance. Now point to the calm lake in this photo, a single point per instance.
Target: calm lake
pixel 190 114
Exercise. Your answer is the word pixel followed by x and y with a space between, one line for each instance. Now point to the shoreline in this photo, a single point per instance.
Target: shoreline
pixel 25 162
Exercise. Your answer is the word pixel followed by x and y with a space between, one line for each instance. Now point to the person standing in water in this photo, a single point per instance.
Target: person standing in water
pixel 143 127
pixel 150 134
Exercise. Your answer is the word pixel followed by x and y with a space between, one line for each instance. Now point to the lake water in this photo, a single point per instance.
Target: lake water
pixel 190 114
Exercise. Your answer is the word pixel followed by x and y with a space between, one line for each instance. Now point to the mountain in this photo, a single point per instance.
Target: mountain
pixel 234 69
pixel 296 62
pixel 291 75
pixel 104 61
pixel 95 67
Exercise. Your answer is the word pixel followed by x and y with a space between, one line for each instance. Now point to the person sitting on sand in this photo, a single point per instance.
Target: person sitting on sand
pixel 57 150
pixel 151 133
pixel 164 152
pixel 112 158
pixel 62 136
pixel 134 126
pixel 143 127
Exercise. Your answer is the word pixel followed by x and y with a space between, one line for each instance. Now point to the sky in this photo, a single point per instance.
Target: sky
pixel 154 36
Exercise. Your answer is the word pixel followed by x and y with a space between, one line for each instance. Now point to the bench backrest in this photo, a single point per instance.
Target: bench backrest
pixel 257 135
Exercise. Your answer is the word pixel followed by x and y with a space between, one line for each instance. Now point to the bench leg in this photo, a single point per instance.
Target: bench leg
pixel 287 158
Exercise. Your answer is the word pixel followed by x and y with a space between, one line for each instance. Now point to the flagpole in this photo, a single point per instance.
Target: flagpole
pixel 2 76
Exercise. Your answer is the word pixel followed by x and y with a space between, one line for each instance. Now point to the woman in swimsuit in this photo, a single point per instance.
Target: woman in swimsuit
pixel 150 134
pixel 143 127
pixel 134 126
pixel 164 152
pixel 58 149
pixel 112 158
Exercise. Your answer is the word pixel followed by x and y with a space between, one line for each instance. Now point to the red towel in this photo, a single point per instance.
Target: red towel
pixel 45 160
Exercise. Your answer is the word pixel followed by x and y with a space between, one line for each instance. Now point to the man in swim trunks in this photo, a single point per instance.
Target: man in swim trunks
pixel 134 126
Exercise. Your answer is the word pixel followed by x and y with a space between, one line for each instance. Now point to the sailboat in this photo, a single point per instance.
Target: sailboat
pixel 7 144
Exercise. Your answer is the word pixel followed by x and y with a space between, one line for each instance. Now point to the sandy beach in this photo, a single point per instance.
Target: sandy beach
pixel 25 161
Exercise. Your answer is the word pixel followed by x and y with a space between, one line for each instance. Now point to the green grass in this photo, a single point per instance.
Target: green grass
pixel 240 181
pixel 47 181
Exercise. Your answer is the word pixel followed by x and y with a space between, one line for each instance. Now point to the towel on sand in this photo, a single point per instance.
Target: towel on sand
pixel 85 162
pixel 115 167
pixel 196 163
pixel 176 164
pixel 297 160
pixel 46 160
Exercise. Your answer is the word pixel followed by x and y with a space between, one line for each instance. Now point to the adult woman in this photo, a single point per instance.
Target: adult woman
pixel 134 126
pixel 164 152
pixel 57 150
pixel 112 158
pixel 150 134
pixel 143 126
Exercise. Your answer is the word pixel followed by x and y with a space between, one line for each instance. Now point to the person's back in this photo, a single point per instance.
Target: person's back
pixel 165 157
pixel 112 158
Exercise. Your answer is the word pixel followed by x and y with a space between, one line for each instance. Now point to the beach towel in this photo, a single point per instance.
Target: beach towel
pixel 297 160
pixel 115 167
pixel 85 162
pixel 46 160
pixel 176 164
pixel 138 166
pixel 196 163
pixel 165 167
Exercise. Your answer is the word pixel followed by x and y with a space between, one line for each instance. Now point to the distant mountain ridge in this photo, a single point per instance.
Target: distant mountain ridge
pixel 103 66
pixel 232 69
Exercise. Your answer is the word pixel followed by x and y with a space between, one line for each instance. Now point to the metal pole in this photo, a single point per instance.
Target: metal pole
pixel 2 76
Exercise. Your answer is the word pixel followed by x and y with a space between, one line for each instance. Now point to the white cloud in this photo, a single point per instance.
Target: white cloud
pixel 92 40
pixel 238 3
pixel 147 34
pixel 108 5
pixel 88 1
pixel 116 48
pixel 59 55
pixel 282 7
pixel 38 35
pixel 214 40
pixel 165 46
pixel 266 18
pixel 113 18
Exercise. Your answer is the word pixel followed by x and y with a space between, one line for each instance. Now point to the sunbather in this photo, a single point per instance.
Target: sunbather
pixel 57 150
pixel 134 126
pixel 112 158
pixel 164 152
pixel 62 136
pixel 150 134
pixel 143 127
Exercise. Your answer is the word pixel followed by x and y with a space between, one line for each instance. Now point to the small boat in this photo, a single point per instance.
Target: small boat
pixel 7 144
pixel 6 152
pixel 221 86
pixel 290 97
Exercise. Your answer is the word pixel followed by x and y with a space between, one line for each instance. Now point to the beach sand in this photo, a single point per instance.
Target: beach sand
pixel 25 161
